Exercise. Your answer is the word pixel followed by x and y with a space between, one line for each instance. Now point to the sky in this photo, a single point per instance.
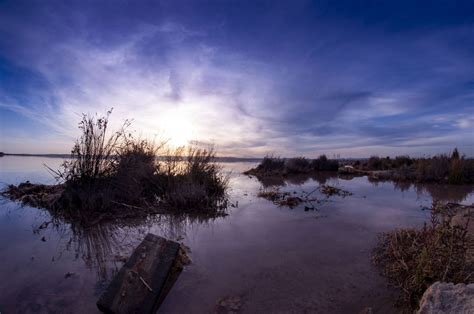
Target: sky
pixel 347 78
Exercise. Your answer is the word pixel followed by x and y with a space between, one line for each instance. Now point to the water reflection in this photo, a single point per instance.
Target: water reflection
pixel 105 247
pixel 441 192
pixel 315 263
pixel 297 179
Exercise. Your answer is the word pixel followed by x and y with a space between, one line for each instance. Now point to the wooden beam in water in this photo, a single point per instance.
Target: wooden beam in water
pixel 143 282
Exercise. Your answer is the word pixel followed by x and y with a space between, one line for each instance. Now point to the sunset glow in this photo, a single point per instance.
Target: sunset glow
pixel 177 128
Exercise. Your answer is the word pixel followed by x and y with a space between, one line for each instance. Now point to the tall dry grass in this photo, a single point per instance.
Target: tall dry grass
pixel 454 169
pixel 193 180
pixel 413 259
pixel 92 156
pixel 120 175
pixel 322 163
pixel 271 166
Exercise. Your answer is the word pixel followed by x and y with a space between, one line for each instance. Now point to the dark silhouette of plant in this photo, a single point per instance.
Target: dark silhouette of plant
pixel 118 175
pixel 92 156
pixel 297 165
pixel 324 164
pixel 455 154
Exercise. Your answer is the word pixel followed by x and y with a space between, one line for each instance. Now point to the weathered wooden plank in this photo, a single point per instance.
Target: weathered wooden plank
pixel 142 283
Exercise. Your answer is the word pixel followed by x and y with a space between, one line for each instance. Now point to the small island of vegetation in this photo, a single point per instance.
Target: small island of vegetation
pixel 119 176
pixel 454 169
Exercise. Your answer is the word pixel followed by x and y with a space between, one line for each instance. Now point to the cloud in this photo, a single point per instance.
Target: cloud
pixel 263 82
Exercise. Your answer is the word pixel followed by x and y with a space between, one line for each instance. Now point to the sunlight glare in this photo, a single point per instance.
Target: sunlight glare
pixel 177 128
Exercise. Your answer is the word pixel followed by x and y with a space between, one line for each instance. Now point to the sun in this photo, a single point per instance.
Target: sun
pixel 177 128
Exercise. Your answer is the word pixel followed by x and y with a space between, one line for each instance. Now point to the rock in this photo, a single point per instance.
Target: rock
pixel 347 169
pixel 444 297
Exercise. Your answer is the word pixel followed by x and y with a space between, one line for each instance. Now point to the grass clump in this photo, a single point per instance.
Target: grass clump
pixel 322 163
pixel 297 165
pixel 329 190
pixel 119 176
pixel 281 198
pixel 413 259
pixel 92 156
pixel 454 169
pixel 192 179
pixel 271 166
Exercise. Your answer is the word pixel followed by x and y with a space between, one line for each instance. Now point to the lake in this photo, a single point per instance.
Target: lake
pixel 262 257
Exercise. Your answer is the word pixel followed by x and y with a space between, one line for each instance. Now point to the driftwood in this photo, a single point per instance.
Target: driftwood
pixel 143 282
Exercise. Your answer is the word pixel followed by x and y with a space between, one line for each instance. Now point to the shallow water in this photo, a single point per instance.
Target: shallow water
pixel 274 259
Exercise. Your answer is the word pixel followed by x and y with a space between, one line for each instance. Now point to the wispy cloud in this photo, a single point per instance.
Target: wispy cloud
pixel 262 83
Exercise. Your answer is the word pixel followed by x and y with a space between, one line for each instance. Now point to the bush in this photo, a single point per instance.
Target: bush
pixel 119 176
pixel 441 168
pixel 414 259
pixel 401 161
pixel 432 169
pixel 92 154
pixel 191 179
pixel 324 164
pixel 272 164
pixel 374 163
pixel 297 165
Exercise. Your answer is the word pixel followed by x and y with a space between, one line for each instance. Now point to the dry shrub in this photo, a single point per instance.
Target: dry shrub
pixel 322 163
pixel 137 158
pixel 374 163
pixel 271 164
pixel 273 194
pixel 297 165
pixel 402 161
pixel 119 176
pixel 135 171
pixel 37 195
pixel 193 180
pixel 107 175
pixel 432 169
pixel 186 181
pixel 454 169
pixel 461 171
pixel 329 190
pixel 413 259
pixel 281 198
pixel 92 156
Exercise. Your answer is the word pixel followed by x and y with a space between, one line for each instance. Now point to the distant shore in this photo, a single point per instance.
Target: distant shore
pixel 220 159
